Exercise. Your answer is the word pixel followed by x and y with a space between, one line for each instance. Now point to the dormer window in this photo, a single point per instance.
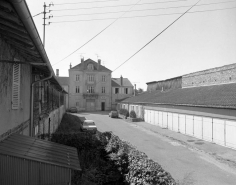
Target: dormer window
pixel 90 67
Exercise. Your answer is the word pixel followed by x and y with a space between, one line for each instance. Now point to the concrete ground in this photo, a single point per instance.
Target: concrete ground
pixel 189 160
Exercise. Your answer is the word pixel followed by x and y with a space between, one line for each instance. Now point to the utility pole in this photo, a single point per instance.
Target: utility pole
pixel 44 19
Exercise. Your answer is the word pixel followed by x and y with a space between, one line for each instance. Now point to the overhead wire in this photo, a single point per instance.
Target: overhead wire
pixel 160 2
pixel 140 10
pixel 105 1
pixel 154 15
pixel 97 34
pixel 156 36
pixel 37 14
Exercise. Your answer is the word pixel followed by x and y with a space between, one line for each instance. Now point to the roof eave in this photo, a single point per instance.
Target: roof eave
pixel 23 12
pixel 187 105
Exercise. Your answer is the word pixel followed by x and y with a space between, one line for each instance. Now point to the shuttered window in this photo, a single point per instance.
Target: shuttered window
pixel 16 87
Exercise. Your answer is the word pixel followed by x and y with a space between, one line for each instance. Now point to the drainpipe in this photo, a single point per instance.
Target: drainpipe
pixel 32 103
pixel 59 109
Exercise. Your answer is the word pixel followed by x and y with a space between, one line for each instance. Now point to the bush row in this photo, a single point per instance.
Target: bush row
pixel 96 166
pixel 107 160
pixel 135 166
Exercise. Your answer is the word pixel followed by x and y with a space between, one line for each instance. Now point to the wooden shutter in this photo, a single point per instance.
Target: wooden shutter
pixel 16 87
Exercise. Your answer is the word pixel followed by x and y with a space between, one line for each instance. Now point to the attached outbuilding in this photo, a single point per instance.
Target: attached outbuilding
pixel 32 161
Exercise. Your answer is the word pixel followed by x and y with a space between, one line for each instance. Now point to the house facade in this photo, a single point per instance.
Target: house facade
pixel 90 86
pixel 31 99
pixel 122 88
pixel 64 81
pixel 203 107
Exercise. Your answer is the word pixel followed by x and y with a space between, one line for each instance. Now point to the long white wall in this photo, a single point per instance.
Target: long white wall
pixel 219 131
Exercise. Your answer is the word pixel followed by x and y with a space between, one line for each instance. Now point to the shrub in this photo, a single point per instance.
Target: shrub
pixel 107 160
pixel 124 112
pixel 137 168
pixel 121 111
pixel 132 114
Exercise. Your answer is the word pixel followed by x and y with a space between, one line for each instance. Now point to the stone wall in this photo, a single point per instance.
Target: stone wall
pixel 50 122
pixel 164 85
pixel 214 76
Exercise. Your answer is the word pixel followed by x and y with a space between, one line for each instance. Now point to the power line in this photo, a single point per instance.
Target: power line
pixel 120 5
pixel 97 33
pixel 173 7
pixel 156 15
pixel 157 35
pixel 87 2
pixel 37 14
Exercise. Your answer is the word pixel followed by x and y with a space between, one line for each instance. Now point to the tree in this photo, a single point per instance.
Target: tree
pixel 139 91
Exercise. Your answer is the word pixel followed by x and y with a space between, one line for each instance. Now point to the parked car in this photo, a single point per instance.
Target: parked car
pixel 113 114
pixel 89 125
pixel 73 110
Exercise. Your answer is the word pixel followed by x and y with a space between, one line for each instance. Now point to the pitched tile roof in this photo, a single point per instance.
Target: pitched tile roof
pixel 86 62
pixel 218 96
pixel 115 82
pixel 63 80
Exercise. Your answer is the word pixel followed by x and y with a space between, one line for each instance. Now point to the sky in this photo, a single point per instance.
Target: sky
pixel 203 39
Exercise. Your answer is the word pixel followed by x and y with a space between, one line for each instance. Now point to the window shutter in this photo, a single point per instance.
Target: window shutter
pixel 16 87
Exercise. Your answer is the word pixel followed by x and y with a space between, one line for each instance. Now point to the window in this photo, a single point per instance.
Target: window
pixel 116 90
pixel 103 78
pixel 77 89
pixel 91 78
pixel 90 89
pixel 77 77
pixel 126 90
pixel 77 104
pixel 16 86
pixel 90 67
pixel 103 89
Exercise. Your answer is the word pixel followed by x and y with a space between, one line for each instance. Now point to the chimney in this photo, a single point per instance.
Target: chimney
pixel 99 63
pixel 57 73
pixel 82 62
pixel 70 66
pixel 121 80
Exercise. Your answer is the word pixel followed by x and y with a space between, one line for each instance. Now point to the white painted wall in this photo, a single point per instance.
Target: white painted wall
pixel 219 131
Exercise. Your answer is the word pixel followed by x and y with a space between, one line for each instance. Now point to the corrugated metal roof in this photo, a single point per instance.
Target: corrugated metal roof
pixel 40 150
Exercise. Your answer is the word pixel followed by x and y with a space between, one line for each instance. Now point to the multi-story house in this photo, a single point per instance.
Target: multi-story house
pixel 90 86
pixel 121 88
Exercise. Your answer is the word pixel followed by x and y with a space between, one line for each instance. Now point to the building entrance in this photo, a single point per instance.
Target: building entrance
pixel 103 106
pixel 90 105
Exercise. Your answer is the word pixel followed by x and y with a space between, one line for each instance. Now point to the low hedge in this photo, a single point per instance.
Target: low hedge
pixel 95 164
pixel 137 168
pixel 107 160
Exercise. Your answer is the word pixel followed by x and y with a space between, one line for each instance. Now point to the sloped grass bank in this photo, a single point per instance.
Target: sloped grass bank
pixel 107 160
